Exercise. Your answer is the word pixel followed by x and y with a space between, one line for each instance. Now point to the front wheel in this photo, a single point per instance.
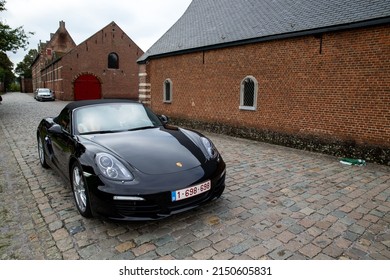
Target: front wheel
pixel 80 191
pixel 41 152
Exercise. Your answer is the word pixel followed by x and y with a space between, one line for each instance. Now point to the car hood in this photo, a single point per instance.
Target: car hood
pixel 152 151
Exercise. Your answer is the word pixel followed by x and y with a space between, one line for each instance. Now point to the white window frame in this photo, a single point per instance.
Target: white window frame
pixel 255 93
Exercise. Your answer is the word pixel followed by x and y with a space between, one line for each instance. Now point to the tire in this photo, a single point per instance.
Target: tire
pixel 41 152
pixel 80 191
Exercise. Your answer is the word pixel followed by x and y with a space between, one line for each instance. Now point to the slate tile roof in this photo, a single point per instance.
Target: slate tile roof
pixel 218 23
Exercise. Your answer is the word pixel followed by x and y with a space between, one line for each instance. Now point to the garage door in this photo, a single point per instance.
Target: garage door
pixel 87 87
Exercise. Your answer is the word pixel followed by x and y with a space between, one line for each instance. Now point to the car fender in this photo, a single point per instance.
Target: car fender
pixel 84 154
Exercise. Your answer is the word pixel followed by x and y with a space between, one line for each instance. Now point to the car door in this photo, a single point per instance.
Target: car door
pixel 62 142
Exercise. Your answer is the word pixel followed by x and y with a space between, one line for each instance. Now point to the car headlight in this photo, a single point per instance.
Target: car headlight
pixel 210 148
pixel 112 168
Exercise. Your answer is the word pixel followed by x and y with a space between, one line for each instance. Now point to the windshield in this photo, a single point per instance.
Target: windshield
pixel 44 90
pixel 113 117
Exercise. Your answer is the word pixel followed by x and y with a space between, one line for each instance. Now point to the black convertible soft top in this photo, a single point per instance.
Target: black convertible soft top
pixel 82 103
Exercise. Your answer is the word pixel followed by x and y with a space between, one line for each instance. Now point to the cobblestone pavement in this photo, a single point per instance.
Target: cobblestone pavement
pixel 280 203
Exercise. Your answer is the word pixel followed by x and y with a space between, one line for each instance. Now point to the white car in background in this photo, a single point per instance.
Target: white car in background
pixel 42 94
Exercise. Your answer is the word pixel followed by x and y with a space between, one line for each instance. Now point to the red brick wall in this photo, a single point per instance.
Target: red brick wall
pixel 336 87
pixel 36 72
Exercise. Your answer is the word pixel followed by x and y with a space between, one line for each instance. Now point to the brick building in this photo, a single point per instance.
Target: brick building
pixel 103 66
pixel 51 51
pixel 307 74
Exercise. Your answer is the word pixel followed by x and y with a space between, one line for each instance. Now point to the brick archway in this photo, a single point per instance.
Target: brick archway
pixel 86 87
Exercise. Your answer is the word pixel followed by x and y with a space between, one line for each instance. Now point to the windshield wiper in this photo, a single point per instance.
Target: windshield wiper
pixel 101 132
pixel 141 127
pixel 116 131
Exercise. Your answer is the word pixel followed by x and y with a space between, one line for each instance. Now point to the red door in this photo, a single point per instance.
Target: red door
pixel 87 87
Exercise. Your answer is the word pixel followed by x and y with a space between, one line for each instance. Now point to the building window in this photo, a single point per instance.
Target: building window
pixel 167 91
pixel 113 61
pixel 248 93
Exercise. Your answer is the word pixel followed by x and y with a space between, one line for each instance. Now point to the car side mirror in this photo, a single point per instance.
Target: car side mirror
pixel 55 129
pixel 164 119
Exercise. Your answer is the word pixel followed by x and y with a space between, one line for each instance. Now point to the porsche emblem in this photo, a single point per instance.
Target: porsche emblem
pixel 179 164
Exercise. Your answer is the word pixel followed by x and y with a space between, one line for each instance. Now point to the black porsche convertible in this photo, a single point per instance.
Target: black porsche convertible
pixel 124 162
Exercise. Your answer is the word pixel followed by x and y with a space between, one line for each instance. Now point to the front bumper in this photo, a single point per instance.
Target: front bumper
pixel 45 97
pixel 152 199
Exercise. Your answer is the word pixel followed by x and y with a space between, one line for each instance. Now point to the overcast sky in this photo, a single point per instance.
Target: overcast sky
pixel 144 21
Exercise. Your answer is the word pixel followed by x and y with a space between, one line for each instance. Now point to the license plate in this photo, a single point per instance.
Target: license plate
pixel 191 191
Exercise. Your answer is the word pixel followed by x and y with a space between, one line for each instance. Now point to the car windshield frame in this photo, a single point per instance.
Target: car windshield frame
pixel 113 118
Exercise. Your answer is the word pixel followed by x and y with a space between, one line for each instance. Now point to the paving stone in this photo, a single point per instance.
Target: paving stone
pixel 55 225
pixel 285 236
pixel 205 254
pixel 307 222
pixel 87 252
pixel 167 248
pixel 65 244
pixel 356 253
pixel 348 221
pixel 351 236
pixel 198 245
pixel 314 231
pixel 333 251
pixel 322 241
pixel 280 254
pixel 71 255
pixel 310 250
pixel 182 252
pixel 76 229
pixel 60 234
pixel 143 249
pixel 243 246
pixel 164 240
pixel 128 255
pixel 355 228
pixel 323 224
pixel 116 231
pixel 296 229
pixel 123 247
pixel 223 256
pixel 257 252
pixel 272 244
pixel 322 256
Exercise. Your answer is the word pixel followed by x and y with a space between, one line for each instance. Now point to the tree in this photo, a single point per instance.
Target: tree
pixel 6 75
pixel 23 68
pixel 12 39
